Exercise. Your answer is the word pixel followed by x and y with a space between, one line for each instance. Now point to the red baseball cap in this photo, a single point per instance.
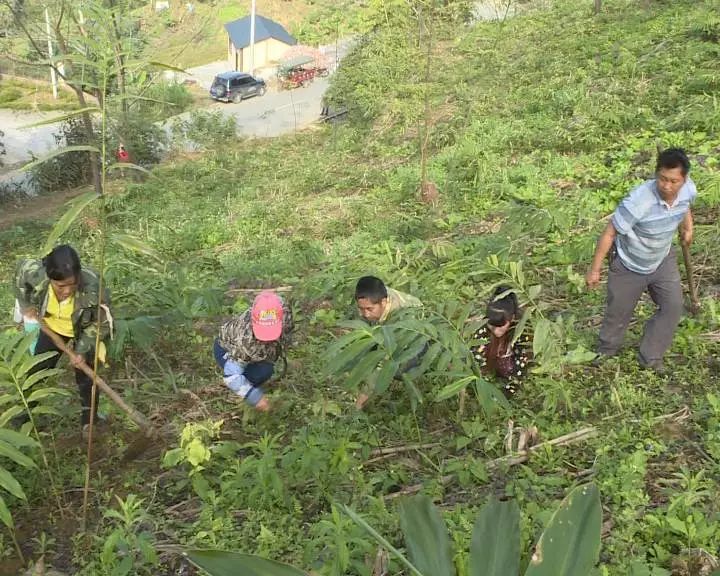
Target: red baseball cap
pixel 267 316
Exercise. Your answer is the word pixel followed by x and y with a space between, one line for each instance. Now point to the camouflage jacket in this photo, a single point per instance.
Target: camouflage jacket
pixel 238 340
pixel 31 291
pixel 397 300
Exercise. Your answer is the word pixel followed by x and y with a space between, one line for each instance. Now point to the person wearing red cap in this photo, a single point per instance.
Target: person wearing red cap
pixel 249 345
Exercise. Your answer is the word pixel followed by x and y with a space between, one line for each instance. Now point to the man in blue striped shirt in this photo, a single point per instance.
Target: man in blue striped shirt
pixel 639 238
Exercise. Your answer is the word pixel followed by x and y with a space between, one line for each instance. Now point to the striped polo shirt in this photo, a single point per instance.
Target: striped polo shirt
pixel 646 224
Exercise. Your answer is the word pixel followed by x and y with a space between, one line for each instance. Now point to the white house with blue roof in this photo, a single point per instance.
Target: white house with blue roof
pixel 271 42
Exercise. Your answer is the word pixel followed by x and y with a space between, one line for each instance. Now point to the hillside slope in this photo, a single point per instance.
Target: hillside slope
pixel 537 127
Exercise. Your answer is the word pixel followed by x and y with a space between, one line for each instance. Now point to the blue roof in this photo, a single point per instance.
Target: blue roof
pixel 239 31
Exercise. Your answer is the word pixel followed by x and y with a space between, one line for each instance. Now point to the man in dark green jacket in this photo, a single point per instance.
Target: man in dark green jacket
pixel 62 294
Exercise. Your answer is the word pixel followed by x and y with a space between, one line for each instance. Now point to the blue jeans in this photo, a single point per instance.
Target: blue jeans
pixel 256 372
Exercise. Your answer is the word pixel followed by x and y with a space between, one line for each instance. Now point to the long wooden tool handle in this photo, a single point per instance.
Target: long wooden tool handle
pixel 134 415
pixel 690 277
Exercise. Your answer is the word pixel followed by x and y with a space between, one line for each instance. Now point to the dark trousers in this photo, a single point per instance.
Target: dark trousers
pixel 624 290
pixel 84 382
pixel 257 373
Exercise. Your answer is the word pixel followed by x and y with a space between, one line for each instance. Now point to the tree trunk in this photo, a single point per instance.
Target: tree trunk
pixel 598 6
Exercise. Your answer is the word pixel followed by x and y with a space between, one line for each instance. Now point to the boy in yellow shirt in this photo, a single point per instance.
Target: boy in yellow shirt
pixel 58 290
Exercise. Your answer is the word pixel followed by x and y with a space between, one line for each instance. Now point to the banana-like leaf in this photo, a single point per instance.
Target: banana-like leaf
pixel 220 563
pixel 56 119
pixel 8 482
pixel 135 245
pixel 426 537
pixel 495 546
pixel 5 515
pixel 76 207
pixel 60 152
pixel 380 540
pixel 570 545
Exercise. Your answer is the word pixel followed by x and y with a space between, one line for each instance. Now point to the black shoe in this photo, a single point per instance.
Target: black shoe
pixel 601 359
pixel 656 366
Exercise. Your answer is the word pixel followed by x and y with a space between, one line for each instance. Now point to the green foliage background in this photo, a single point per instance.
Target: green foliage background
pixel 540 124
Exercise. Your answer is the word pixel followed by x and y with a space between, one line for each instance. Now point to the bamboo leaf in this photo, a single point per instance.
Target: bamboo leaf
pixel 385 376
pixel 426 536
pixel 63 118
pixel 30 362
pixel 17 439
pixel 5 515
pixel 220 563
pixel 16 456
pixel 66 220
pixel 454 388
pixel 495 546
pixel 8 483
pixel 43 393
pixel 129 166
pixel 364 369
pixel 348 355
pixel 59 152
pixel 135 245
pixel 36 377
pixel 166 66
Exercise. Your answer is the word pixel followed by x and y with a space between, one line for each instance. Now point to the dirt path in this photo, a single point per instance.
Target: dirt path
pixel 38 208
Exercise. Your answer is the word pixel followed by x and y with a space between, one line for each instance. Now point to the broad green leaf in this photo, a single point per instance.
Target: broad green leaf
pixel 66 220
pixel 412 350
pixel 426 537
pixel 570 545
pixel 384 376
pixel 8 451
pixel 380 540
pixel 5 515
pixel 364 369
pixel 57 119
pixel 59 152
pixel 348 355
pixel 10 413
pixel 8 482
pixel 17 439
pixel 454 388
pixel 30 363
pixel 135 245
pixel 495 546
pixel 36 377
pixel 42 393
pixel 220 563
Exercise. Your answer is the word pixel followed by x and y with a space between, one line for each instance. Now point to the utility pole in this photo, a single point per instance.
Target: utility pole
pixel 252 38
pixel 53 77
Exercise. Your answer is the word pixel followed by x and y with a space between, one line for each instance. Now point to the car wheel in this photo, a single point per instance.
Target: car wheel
pixel 237 98
pixel 262 91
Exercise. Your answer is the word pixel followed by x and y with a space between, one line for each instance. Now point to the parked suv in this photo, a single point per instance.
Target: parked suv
pixel 236 86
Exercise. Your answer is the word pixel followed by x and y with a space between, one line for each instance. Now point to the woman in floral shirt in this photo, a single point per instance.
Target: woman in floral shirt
pixel 493 349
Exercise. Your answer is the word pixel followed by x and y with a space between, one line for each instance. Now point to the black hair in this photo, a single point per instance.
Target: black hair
pixel 673 158
pixel 502 309
pixel 62 263
pixel 371 288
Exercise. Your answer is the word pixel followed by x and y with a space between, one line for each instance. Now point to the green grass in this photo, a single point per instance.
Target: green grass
pixel 29 95
pixel 539 127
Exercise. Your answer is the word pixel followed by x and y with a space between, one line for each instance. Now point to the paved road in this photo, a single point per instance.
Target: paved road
pixel 275 113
